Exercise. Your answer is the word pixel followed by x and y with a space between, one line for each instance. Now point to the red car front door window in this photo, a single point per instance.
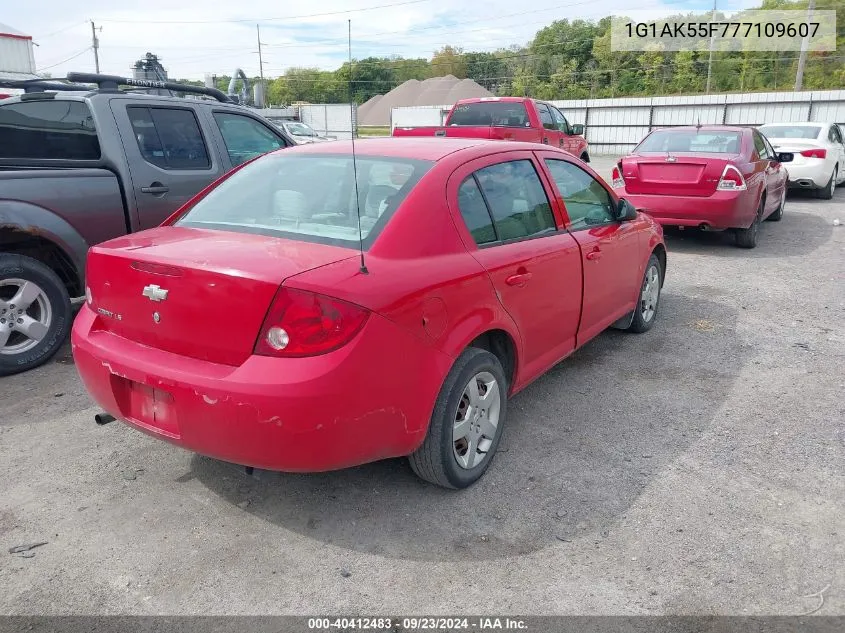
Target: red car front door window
pixel 609 248
pixel 503 211
pixel 551 136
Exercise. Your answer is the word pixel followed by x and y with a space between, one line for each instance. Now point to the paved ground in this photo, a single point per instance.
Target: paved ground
pixel 694 469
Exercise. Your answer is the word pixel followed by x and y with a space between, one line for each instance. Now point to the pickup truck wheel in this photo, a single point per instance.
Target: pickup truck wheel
pixel 585 157
pixel 466 424
pixel 35 313
pixel 646 311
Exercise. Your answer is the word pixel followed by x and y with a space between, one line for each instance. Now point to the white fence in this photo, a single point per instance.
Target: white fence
pixel 327 119
pixel 418 116
pixel 614 126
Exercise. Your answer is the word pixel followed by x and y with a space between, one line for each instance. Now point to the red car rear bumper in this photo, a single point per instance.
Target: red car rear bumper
pixel 721 210
pixel 370 400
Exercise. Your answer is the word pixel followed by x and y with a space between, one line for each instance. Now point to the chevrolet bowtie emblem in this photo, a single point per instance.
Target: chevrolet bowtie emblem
pixel 154 293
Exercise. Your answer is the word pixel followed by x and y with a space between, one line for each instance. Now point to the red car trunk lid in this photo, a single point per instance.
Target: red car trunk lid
pixel 196 292
pixel 672 175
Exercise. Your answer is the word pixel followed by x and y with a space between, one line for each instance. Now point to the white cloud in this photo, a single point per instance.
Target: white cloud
pixel 193 38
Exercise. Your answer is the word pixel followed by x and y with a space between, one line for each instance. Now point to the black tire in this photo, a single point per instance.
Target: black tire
pixel 28 269
pixel 747 238
pixel 643 321
pixel 435 459
pixel 585 157
pixel 826 193
pixel 777 215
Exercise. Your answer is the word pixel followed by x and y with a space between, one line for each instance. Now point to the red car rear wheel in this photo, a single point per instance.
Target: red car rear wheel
pixel 747 238
pixel 466 424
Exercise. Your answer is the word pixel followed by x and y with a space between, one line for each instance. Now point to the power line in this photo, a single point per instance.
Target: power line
pixel 62 30
pixel 74 56
pixel 283 17
pixel 509 26
pixel 597 71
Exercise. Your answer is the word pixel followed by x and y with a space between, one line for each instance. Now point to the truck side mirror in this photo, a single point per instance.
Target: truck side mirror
pixel 577 129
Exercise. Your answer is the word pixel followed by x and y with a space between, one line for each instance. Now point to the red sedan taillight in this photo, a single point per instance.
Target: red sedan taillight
pixel 301 323
pixel 814 153
pixel 731 180
pixel 617 180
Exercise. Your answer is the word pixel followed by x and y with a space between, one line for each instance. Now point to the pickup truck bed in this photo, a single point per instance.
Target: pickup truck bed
pixel 527 135
pixel 79 166
pixel 508 119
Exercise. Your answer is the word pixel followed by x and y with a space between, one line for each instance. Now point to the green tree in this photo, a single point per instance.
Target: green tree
pixel 686 76
pixel 449 61
pixel 486 69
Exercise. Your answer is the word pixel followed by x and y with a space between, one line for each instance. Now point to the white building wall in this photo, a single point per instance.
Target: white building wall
pixel 16 52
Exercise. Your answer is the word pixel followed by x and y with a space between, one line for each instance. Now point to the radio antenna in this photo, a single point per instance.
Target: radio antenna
pixel 363 268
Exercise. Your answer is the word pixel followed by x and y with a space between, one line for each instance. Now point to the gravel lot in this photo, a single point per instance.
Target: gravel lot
pixel 696 469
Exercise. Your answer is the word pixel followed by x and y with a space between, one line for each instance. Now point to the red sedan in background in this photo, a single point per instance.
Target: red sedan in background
pixel 711 177
pixel 251 328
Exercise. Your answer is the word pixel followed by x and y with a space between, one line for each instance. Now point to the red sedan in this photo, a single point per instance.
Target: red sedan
pixel 711 177
pixel 265 324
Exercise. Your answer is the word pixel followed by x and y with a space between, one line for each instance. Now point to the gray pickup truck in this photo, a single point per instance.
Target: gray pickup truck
pixel 80 165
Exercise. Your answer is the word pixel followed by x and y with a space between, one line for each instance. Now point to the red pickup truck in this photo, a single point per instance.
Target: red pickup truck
pixel 508 119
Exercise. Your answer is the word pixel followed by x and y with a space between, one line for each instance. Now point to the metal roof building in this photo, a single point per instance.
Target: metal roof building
pixel 17 60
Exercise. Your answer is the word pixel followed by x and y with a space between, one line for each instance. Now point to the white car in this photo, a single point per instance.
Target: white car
pixel 302 133
pixel 819 162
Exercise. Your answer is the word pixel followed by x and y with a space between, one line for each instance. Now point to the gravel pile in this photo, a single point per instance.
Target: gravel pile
pixel 435 91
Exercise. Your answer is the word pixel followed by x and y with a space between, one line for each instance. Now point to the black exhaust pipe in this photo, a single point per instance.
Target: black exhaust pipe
pixel 103 418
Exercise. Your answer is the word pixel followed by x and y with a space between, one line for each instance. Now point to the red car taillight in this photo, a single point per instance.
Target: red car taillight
pixel 731 180
pixel 814 153
pixel 301 323
pixel 617 180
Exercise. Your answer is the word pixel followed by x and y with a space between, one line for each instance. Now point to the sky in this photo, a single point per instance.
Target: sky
pixel 193 40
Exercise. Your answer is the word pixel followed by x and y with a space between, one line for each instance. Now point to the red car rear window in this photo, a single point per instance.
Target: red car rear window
pixel 706 141
pixel 310 198
pixel 486 113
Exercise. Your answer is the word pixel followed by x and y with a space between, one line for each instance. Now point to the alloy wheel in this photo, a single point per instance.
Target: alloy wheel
pixel 476 420
pixel 650 294
pixel 25 315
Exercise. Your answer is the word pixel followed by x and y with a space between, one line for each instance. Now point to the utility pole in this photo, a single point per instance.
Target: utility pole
pixel 95 44
pixel 802 59
pixel 261 95
pixel 260 60
pixel 710 60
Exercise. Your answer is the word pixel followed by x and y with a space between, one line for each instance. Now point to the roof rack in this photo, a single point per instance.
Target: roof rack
pixel 39 85
pixel 113 82
pixel 108 83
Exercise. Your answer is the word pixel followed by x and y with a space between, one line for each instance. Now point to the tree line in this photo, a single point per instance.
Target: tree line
pixel 573 60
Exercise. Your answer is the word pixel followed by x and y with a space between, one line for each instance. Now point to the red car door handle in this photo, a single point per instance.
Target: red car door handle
pixel 593 255
pixel 518 280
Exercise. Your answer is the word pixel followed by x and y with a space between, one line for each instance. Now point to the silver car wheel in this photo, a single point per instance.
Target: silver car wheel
pixel 476 420
pixel 25 315
pixel 650 293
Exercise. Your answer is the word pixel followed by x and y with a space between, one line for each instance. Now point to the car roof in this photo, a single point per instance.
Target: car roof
pixel 706 128
pixel 800 123
pixel 84 95
pixel 432 149
pixel 494 99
